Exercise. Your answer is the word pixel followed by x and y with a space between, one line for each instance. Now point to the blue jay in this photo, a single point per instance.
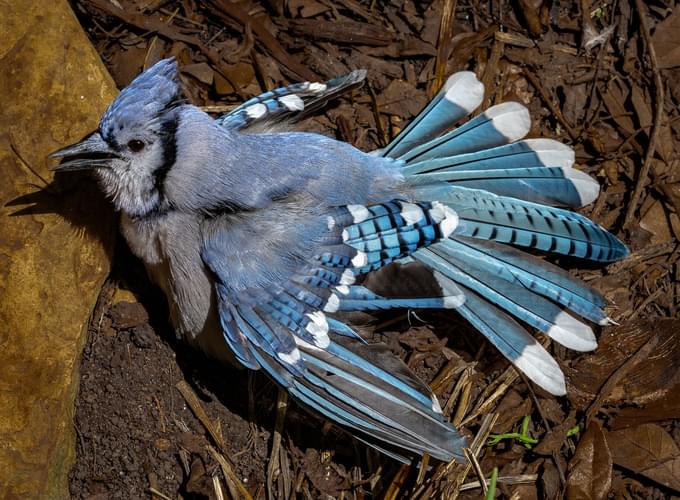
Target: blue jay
pixel 258 236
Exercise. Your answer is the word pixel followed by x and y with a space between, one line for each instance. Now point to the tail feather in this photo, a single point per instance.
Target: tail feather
pixel 554 186
pixel 486 216
pixel 498 125
pixel 536 275
pixel 461 95
pixel 522 303
pixel 382 400
pixel 528 153
pixel 514 342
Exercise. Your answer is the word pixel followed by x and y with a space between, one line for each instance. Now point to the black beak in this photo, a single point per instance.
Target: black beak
pixel 91 152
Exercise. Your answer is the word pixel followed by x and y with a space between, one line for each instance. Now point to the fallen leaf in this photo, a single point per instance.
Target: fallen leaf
pixel 402 99
pixel 555 438
pixel 666 40
pixel 201 71
pixel 590 471
pixel 665 408
pixel 656 222
pixel 647 450
pixel 650 380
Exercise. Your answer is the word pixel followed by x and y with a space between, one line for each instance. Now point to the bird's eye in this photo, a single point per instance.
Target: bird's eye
pixel 135 145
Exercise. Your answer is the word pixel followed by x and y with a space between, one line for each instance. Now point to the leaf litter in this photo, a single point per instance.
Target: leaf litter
pixel 603 77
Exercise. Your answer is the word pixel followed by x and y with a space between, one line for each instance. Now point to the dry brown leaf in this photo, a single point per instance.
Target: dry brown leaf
pixel 647 450
pixel 665 408
pixel 402 99
pixel 590 474
pixel 656 222
pixel 666 40
pixel 201 71
pixel 650 380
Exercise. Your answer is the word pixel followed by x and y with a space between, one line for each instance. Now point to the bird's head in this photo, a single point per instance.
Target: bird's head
pixel 135 144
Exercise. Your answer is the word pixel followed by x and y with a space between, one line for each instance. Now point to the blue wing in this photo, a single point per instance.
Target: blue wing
pixel 281 274
pixel 290 103
pixel 276 295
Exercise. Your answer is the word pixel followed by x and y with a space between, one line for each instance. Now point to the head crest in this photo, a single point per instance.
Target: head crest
pixel 149 95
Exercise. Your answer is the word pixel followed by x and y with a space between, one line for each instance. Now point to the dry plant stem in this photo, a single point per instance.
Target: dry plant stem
pixel 505 380
pixel 218 488
pixel 393 490
pixel 606 389
pixel 475 448
pixel 460 383
pixel 155 493
pixel 658 114
pixel 463 403
pixel 443 44
pixel 197 409
pixel 236 488
pixel 523 479
pixel 477 468
pixel 423 469
pixel 274 467
pixel 490 72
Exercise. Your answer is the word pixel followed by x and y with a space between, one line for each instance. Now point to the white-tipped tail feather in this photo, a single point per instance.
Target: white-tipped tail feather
pixel 464 90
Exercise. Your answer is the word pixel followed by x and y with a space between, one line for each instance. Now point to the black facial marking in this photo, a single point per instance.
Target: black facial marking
pixel 169 145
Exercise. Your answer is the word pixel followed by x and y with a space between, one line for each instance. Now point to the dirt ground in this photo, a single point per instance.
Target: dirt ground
pixel 157 420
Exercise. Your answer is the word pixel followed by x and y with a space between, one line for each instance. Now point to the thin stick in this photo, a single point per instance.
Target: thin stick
pixel 524 479
pixel 658 114
pixel 274 467
pixel 477 468
pixel 197 409
pixel 229 474
pixel 443 44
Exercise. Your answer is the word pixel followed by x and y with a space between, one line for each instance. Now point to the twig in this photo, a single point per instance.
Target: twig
pixel 443 44
pixel 218 488
pixel 274 467
pixel 197 409
pixel 423 469
pixel 477 468
pixel 523 479
pixel 230 475
pixel 658 113
pixel 154 492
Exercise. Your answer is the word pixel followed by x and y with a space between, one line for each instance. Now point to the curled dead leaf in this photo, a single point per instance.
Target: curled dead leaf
pixel 590 470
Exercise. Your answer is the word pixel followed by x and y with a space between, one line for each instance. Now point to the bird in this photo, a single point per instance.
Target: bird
pixel 261 236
